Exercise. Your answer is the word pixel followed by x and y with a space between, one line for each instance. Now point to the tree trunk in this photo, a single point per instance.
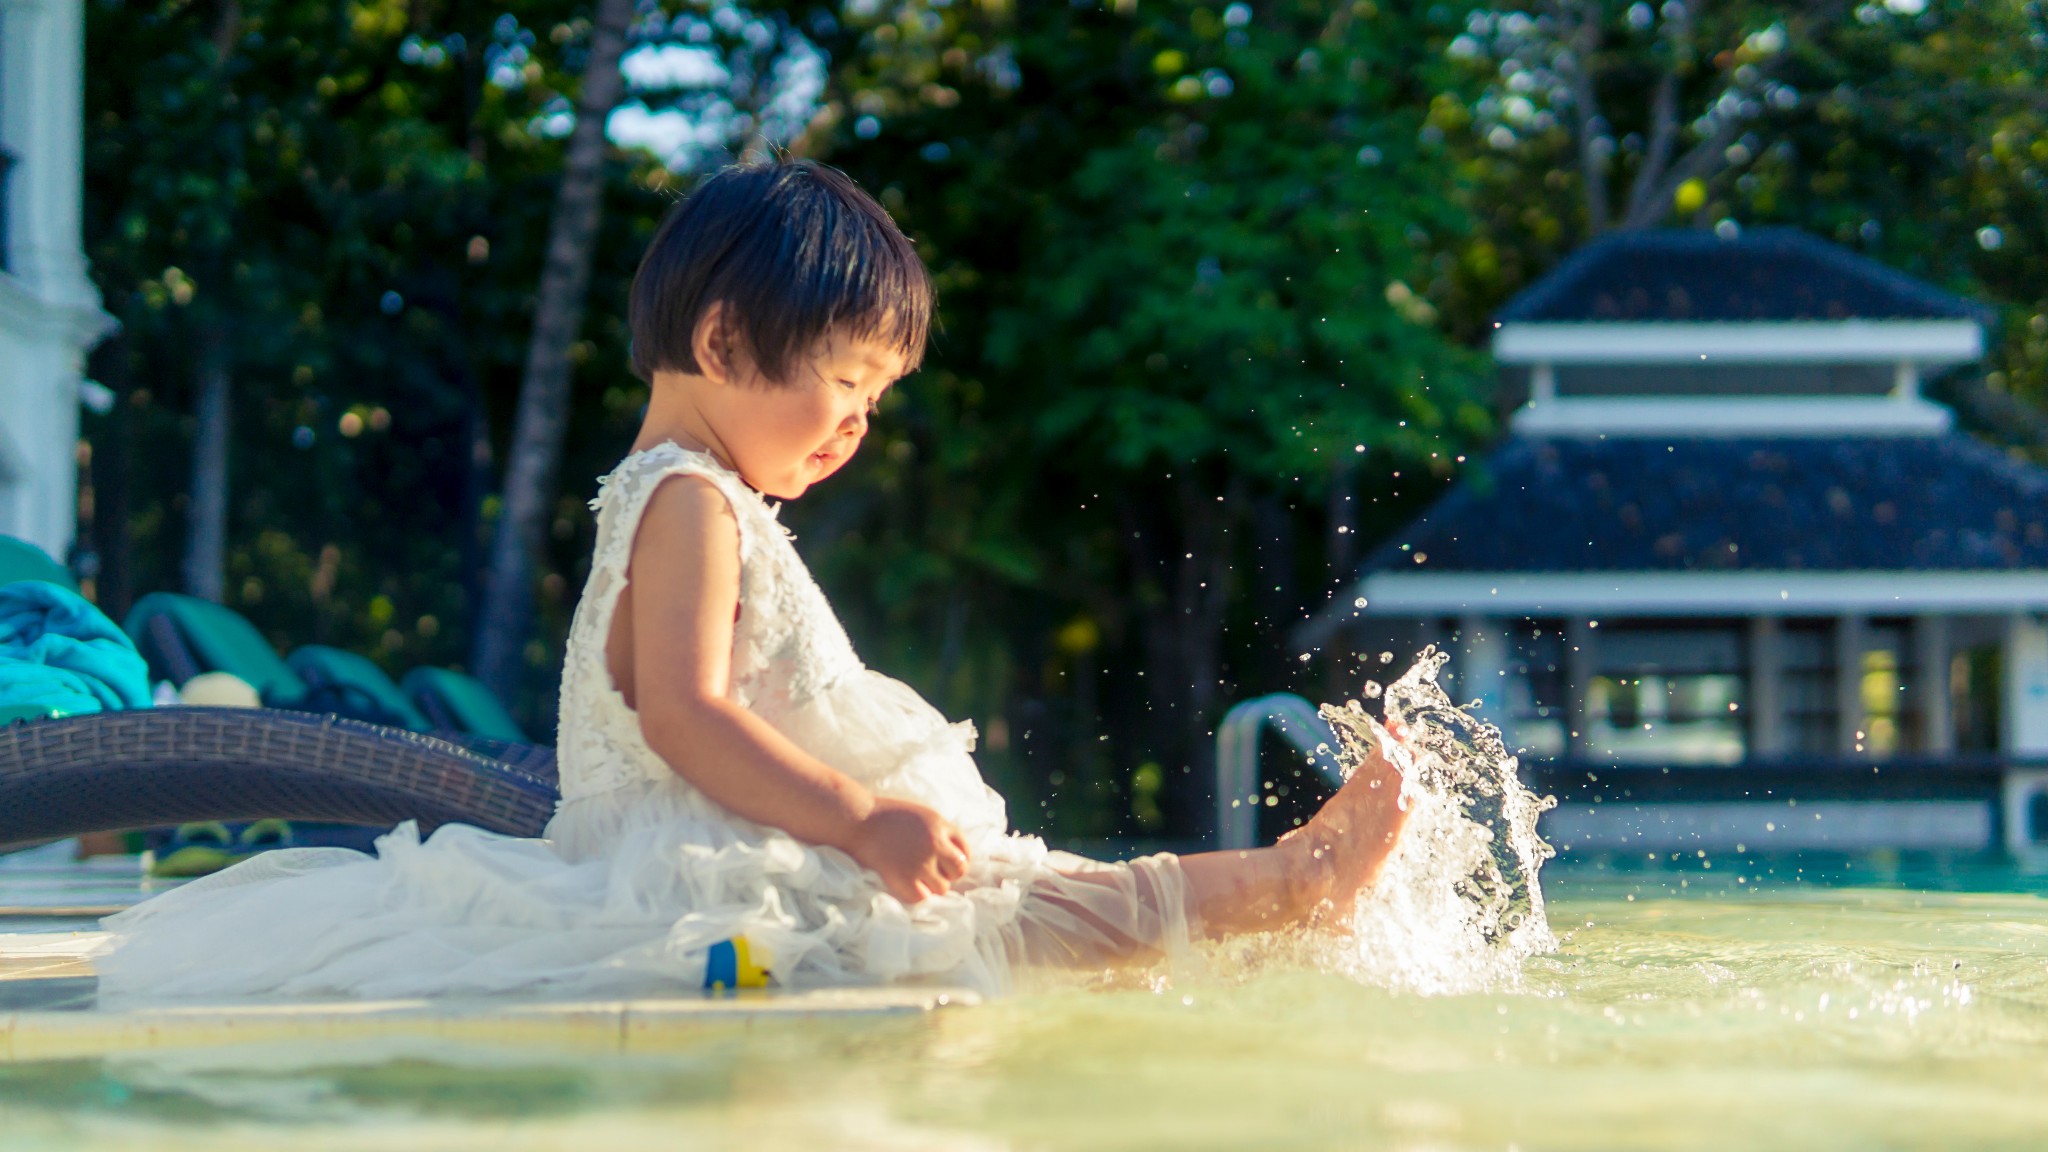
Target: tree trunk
pixel 479 469
pixel 1704 161
pixel 206 538
pixel 543 416
pixel 206 517
pixel 1663 113
pixel 113 466
pixel 1588 125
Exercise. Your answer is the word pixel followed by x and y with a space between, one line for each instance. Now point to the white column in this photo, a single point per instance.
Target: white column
pixel 1542 384
pixel 42 92
pixel 39 374
pixel 2025 707
pixel 1766 686
pixel 1931 686
pixel 1849 645
pixel 1483 655
pixel 1905 381
pixel 50 313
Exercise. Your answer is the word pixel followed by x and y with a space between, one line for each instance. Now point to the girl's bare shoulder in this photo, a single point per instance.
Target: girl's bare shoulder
pixel 688 511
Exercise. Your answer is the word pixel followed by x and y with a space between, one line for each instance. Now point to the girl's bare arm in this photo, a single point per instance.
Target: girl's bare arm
pixel 682 595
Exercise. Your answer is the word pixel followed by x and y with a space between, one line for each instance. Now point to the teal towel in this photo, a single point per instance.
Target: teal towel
pixel 60 654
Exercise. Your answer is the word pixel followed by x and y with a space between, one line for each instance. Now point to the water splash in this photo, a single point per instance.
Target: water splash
pixel 1459 906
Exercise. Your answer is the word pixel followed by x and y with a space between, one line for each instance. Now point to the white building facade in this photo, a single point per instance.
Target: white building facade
pixel 1729 549
pixel 50 313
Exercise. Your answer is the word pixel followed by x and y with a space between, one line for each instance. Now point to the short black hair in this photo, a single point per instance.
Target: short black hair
pixel 795 251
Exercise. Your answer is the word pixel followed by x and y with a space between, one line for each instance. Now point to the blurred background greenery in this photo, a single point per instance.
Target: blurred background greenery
pixel 1215 283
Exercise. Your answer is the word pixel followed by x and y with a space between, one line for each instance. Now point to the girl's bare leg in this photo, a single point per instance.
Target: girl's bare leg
pixel 1109 915
pixel 1322 865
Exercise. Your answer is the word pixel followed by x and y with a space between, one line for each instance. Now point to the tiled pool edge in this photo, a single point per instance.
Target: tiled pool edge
pixel 612 1025
pixel 49 1011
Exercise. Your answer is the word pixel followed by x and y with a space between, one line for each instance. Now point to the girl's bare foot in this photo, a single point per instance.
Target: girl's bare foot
pixel 1341 851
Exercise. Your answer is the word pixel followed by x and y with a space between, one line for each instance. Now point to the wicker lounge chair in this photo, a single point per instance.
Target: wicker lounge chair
pixel 153 767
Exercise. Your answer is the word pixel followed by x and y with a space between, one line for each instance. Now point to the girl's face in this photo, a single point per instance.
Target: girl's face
pixel 785 437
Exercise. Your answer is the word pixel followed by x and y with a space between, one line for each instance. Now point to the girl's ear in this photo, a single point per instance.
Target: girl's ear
pixel 711 344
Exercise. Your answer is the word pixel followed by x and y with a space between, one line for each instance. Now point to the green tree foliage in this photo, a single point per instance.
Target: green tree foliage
pixel 363 190
pixel 1911 130
pixel 1175 245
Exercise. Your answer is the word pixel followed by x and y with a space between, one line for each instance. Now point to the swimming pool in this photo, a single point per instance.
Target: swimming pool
pixel 1687 1007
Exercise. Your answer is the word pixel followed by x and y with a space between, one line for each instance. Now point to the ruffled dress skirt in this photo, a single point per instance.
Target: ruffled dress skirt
pixel 634 889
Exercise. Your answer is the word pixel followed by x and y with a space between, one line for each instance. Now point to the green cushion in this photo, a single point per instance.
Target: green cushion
pixel 221 640
pixel 29 710
pixel 463 703
pixel 21 560
pixel 366 688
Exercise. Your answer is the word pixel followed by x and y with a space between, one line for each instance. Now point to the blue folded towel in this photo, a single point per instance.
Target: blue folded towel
pixel 61 654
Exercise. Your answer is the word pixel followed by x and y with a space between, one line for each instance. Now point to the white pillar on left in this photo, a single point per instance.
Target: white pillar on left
pixel 42 99
pixel 49 310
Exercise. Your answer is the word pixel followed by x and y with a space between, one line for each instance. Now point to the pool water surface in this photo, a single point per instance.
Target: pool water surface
pixel 1683 1010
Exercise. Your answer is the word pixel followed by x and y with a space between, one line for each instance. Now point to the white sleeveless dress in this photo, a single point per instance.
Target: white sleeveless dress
pixel 639 876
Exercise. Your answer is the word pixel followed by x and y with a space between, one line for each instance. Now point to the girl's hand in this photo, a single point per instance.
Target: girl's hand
pixel 916 851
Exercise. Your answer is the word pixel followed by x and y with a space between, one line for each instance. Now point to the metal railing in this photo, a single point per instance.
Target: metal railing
pixel 1237 759
pixel 8 160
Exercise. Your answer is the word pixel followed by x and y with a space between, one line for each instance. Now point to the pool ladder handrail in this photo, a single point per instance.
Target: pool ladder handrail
pixel 1237 759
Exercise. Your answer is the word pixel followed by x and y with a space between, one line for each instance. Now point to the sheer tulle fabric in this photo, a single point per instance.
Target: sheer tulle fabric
pixel 625 897
pixel 640 874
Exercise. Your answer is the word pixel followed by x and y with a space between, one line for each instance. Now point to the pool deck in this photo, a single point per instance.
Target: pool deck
pixel 49 1003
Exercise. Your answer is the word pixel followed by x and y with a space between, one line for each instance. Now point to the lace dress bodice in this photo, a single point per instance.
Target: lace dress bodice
pixel 787 643
pixel 792 665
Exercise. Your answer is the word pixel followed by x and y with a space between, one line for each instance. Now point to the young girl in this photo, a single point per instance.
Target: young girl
pixel 738 792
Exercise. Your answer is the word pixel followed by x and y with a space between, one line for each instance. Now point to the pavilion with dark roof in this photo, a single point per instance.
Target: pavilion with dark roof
pixel 1727 532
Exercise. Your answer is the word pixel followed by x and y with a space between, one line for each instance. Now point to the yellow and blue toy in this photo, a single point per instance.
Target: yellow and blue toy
pixel 735 963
